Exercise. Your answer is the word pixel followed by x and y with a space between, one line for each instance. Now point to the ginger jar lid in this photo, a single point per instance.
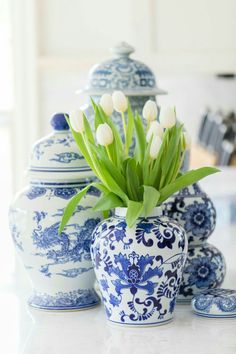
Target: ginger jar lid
pixel 56 156
pixel 133 77
pixel 216 302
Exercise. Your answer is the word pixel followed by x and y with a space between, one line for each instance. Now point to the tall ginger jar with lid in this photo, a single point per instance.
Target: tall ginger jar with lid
pixel 59 266
pixel 123 73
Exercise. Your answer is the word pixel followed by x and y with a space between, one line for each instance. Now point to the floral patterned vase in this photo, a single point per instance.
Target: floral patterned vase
pixel 59 266
pixel 205 265
pixel 139 269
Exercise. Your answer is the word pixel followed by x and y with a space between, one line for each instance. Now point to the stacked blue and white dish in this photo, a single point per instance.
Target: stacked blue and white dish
pixel 59 266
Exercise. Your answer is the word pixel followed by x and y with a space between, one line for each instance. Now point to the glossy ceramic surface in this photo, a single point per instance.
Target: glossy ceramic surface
pixel 122 73
pixel 215 303
pixel 204 269
pixel 139 269
pixel 59 266
pixel 205 266
pixel 194 211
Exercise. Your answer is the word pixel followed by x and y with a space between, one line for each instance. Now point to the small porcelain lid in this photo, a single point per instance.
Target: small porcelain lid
pixel 215 303
pixel 56 156
pixel 122 73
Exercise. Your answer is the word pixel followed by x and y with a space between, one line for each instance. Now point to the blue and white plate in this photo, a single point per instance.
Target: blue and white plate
pixel 215 303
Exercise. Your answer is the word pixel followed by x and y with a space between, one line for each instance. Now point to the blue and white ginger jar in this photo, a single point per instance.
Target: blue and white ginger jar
pixel 123 73
pixel 139 269
pixel 205 266
pixel 59 266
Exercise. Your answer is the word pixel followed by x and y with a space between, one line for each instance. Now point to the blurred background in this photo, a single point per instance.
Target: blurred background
pixel 48 47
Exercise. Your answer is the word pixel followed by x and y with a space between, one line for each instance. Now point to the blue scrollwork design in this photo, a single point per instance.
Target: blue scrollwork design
pixel 72 245
pixel 65 300
pixel 36 192
pixel 216 302
pixel 66 157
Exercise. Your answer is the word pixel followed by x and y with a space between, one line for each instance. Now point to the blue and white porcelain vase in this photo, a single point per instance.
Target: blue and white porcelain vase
pixel 59 266
pixel 139 269
pixel 123 73
pixel 205 265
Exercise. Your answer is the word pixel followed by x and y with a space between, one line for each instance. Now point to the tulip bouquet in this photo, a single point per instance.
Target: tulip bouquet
pixel 140 178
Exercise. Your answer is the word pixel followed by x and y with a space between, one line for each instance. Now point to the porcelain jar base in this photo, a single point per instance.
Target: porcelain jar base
pixel 64 301
pixel 138 325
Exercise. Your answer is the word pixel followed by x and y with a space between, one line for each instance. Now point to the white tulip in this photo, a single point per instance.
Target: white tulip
pixel 167 117
pixel 106 103
pixel 155 147
pixel 150 111
pixel 154 129
pixel 187 140
pixel 120 101
pixel 104 134
pixel 77 121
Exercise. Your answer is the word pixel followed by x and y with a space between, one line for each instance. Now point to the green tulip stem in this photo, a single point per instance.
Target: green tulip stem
pixel 108 153
pixel 91 156
pixel 124 126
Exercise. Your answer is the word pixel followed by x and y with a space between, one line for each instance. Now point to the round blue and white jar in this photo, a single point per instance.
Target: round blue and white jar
pixel 204 269
pixel 139 269
pixel 205 266
pixel 194 211
pixel 59 266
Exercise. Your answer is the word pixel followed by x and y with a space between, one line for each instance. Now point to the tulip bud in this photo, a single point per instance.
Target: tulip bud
pixel 106 103
pixel 167 117
pixel 104 134
pixel 187 140
pixel 155 129
pixel 77 121
pixel 150 110
pixel 155 147
pixel 120 101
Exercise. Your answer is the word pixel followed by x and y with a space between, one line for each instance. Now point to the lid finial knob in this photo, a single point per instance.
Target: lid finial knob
pixel 58 122
pixel 123 49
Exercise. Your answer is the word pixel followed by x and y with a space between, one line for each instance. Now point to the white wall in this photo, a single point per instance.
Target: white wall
pixel 185 42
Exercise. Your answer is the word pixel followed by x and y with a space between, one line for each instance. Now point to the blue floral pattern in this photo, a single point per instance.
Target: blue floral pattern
pixel 202 272
pixel 65 300
pixel 36 192
pixel 215 303
pixel 196 215
pixel 139 287
pixel 204 269
pixel 64 192
pixel 205 266
pixel 66 157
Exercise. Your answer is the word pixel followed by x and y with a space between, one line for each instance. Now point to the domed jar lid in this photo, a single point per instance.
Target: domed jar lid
pixel 215 303
pixel 122 73
pixel 56 156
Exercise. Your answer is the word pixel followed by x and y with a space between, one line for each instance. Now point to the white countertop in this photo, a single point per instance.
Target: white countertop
pixel 30 331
